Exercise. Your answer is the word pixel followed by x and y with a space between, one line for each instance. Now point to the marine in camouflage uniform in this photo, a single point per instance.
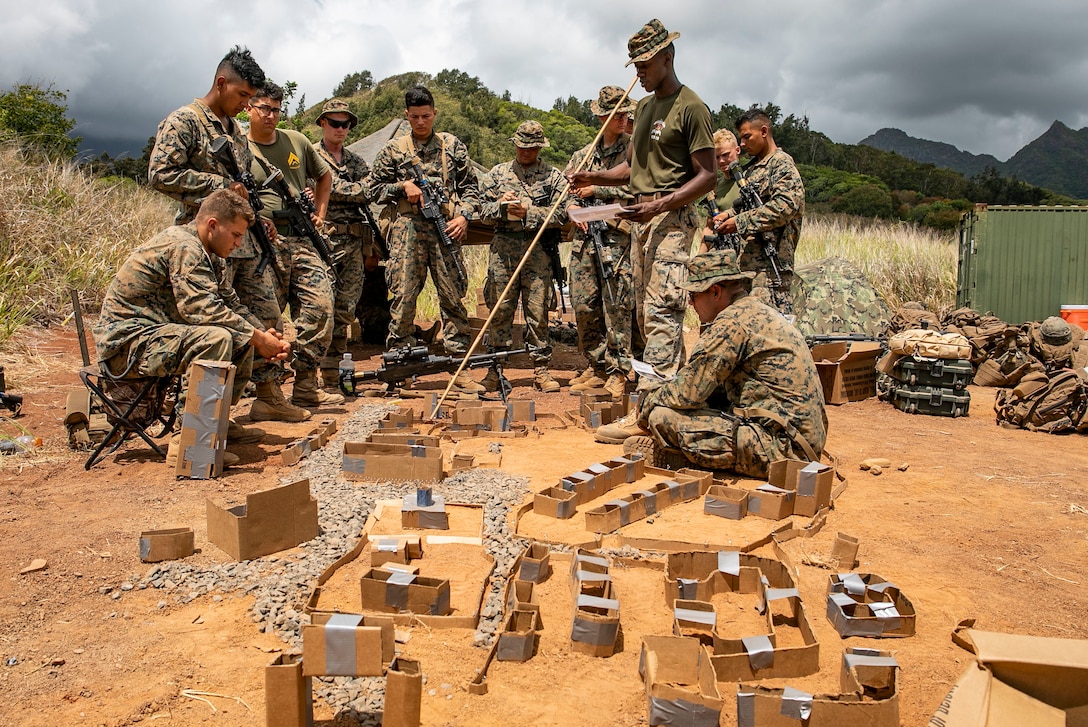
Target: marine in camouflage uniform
pixel 516 197
pixel 183 168
pixel 750 393
pixel 346 224
pixel 772 174
pixel 604 322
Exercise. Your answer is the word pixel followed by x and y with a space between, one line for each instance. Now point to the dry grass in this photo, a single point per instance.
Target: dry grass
pixel 61 228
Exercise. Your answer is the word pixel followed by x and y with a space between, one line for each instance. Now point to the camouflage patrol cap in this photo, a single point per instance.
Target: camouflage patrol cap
pixel 530 134
pixel 338 106
pixel 714 266
pixel 607 100
pixel 650 40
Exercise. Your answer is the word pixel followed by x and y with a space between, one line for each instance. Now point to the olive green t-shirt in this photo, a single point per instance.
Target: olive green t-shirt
pixel 294 155
pixel 667 132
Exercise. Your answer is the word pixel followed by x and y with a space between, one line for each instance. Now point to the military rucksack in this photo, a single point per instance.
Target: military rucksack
pixel 1041 404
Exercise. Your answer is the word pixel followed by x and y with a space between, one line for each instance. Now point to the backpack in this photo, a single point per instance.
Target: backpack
pixel 1041 404
pixel 912 315
pixel 930 344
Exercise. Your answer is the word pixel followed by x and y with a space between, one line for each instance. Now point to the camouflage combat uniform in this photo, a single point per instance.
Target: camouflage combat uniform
pixel 414 245
pixel 779 185
pixel 540 184
pixel 352 241
pixel 170 304
pixel 604 328
pixel 748 358
pixel 183 168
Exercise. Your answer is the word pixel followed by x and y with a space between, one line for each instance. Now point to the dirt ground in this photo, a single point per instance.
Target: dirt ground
pixel 986 523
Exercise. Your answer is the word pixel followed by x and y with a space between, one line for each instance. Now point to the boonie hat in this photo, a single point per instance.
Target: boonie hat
pixel 338 106
pixel 650 40
pixel 712 267
pixel 530 134
pixel 607 100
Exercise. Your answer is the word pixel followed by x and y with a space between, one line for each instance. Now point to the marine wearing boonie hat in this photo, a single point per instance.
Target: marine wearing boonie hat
pixel 530 134
pixel 337 106
pixel 607 99
pixel 650 40
pixel 715 266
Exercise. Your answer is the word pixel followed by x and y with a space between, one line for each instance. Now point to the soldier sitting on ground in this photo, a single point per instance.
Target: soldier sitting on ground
pixel 169 305
pixel 749 394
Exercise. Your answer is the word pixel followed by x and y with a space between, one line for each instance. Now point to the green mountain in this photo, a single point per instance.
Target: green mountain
pixel 938 153
pixel 1057 160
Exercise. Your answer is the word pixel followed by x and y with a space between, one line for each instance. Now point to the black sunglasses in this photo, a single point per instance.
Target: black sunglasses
pixel 336 124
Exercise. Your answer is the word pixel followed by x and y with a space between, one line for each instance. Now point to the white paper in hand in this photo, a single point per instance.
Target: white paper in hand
pixel 646 370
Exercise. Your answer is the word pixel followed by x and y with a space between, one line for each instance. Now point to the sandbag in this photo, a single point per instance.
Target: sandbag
pixel 930 344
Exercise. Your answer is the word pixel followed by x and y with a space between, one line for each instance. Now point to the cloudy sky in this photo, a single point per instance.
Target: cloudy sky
pixel 986 76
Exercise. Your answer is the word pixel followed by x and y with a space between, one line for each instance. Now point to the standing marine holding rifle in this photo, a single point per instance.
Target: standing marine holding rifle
pixel 670 166
pixel 416 243
pixel 600 280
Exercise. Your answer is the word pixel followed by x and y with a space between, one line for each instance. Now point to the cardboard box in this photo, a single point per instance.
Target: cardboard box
pixel 847 370
pixel 695 619
pixel 347 644
pixel 864 604
pixel 811 481
pixel 377 462
pixel 521 410
pixel 535 563
pixel 493 416
pixel 518 639
pixel 294 452
pixel 556 502
pixel 1017 680
pixel 430 515
pixel 633 466
pixel 724 501
pixel 680 686
pixel 388 550
pixel 773 503
pixel 845 551
pixel 170 544
pixel 288 695
pixel 599 413
pixel 270 521
pixel 404 593
pixel 869 698
pixel 402 418
pixel 403 693
pixel 400 437
pixel 595 630
pixel 205 420
pixel 762 656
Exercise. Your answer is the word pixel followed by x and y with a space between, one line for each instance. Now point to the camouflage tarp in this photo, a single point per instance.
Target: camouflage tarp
pixel 832 296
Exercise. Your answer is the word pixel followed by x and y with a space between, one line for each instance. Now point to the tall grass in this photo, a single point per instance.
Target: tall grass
pixel 61 228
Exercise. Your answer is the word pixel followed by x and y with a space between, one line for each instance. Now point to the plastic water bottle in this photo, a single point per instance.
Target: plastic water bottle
pixel 347 371
pixel 24 443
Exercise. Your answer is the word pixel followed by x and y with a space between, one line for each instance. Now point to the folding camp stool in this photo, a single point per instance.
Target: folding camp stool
pixel 142 406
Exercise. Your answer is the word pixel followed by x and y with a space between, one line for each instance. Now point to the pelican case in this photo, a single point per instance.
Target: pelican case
pixel 942 373
pixel 932 400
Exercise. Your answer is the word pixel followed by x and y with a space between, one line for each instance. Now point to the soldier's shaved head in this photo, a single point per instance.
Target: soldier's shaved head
pixel 238 65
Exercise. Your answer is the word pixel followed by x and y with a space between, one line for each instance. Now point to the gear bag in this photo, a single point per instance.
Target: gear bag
pixel 1041 404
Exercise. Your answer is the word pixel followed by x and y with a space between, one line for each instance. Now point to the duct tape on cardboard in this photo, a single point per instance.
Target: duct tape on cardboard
pixel 760 651
pixel 688 588
pixel 722 508
pixel 396 590
pixel 867 657
pixel 729 562
pixel 386 545
pixel 796 704
pixel 355 465
pixel 650 500
pixel 690 615
pixel 746 709
pixel 340 657
pixel 853 583
pixel 625 510
pixel 682 712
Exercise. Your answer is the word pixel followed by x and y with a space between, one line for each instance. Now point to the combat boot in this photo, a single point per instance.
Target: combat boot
pixel 543 380
pixel 464 384
pixel 307 393
pixel 593 382
pixel 271 406
pixel 491 381
pixel 666 458
pixel 237 434
pixel 584 376
pixel 229 458
pixel 616 386
pixel 620 430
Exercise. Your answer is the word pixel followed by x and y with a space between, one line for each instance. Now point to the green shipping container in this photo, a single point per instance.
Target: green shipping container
pixel 1023 263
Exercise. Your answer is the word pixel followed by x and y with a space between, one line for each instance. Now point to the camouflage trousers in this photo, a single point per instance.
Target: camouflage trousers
pixel 659 253
pixel 347 251
pixel 604 326
pixel 414 249
pixel 372 310
pixel 258 294
pixel 303 285
pixel 168 349
pixel 714 440
pixel 533 287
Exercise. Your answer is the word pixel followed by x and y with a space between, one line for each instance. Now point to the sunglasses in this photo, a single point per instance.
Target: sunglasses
pixel 336 124
pixel 267 110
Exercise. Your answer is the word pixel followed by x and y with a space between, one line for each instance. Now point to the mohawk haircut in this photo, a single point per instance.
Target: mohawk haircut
pixel 238 62
pixel 753 115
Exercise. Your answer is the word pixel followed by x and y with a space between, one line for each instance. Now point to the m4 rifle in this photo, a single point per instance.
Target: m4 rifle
pixel 223 150
pixel 606 266
pixel 434 198
pixel 749 200
pixel 720 240
pixel 298 208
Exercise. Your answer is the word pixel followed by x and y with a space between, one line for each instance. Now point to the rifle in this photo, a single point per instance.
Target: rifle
pixel 379 238
pixel 606 267
pixel 410 362
pixel 749 199
pixel 434 196
pixel 720 241
pixel 297 209
pixel 841 338
pixel 549 243
pixel 223 150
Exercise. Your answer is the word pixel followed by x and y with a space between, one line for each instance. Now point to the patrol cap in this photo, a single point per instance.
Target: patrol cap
pixel 607 100
pixel 650 40
pixel 338 106
pixel 714 266
pixel 530 134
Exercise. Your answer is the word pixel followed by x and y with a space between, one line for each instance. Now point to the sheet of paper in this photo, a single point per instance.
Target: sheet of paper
pixel 644 369
pixel 596 212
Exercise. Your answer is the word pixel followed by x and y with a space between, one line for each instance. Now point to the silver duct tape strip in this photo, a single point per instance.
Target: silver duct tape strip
pixel 754 504
pixel 777 594
pixel 145 548
pixel 729 562
pixel 598 469
pixel 674 489
pixel 746 709
pixel 355 465
pixel 594 633
pixel 650 500
pixel 841 600
pixel 629 469
pixel 881 587
pixel 591 559
pixel 590 577
pixel 853 583
pixel 204 426
pixel 441 606
pixel 530 570
pixel 771 489
pixel 430 520
pixel 860 659
pixel 396 590
pixel 760 651
pixel 593 419
pixel 708 618
pixel 339 636
pixel 682 712
pixel 796 704
pixel 689 490
pixel 513 649
pixel 722 508
pixel 401 578
pixel 566 509
pixel 203 459
pixel 583 477
pixel 625 510
pixel 209 388
pixel 386 545
pixel 688 588
pixel 887 614
pixel 848 625
pixel 585 601
pixel 424 496
pixel 567 484
pixel 806 479
pixel 418 450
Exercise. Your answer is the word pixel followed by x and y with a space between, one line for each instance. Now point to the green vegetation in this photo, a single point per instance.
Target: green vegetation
pixel 38 118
